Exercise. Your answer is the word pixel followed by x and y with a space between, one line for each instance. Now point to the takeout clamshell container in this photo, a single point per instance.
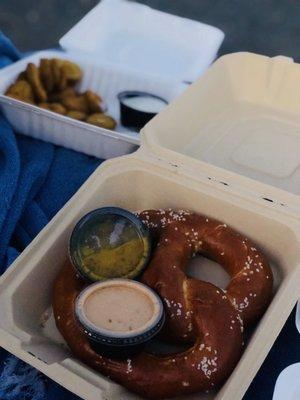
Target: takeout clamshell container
pixel 135 53
pixel 241 97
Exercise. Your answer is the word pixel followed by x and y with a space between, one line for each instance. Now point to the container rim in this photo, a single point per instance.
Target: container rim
pixel 132 93
pixel 89 128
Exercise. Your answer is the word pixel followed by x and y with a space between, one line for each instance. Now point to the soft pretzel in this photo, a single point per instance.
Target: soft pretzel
pixel 197 311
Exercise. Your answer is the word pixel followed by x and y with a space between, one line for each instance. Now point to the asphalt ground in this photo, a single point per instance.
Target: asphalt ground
pixel 268 27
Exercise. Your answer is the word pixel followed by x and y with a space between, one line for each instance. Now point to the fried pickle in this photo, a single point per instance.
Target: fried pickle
pixel 33 77
pixel 55 66
pixel 47 74
pixel 22 76
pixel 21 90
pixel 78 103
pixel 55 107
pixel 79 115
pixel 71 71
pixel 102 120
pixel 59 96
pixel 93 101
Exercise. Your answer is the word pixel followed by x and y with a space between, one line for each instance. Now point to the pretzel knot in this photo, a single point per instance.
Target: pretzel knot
pixel 212 320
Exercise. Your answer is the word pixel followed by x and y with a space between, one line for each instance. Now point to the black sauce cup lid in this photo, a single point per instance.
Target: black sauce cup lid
pixel 117 338
pixel 132 117
pixel 84 232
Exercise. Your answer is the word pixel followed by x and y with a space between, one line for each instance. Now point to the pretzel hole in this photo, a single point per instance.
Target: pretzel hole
pixel 207 270
pixel 159 347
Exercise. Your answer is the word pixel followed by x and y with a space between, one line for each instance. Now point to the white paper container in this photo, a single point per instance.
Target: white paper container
pixel 76 135
pixel 159 176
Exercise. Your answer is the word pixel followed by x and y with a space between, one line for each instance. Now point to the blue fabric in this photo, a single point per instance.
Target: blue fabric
pixel 36 180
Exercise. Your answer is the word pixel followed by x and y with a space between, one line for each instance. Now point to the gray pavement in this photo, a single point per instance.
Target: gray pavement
pixel 264 26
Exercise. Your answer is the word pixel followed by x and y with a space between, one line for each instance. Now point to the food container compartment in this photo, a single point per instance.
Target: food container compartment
pixel 106 80
pixel 147 186
pixel 242 116
pixel 168 171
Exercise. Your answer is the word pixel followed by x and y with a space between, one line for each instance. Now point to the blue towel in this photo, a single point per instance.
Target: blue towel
pixel 36 180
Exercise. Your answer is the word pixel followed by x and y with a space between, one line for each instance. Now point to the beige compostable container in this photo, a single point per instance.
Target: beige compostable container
pixel 242 116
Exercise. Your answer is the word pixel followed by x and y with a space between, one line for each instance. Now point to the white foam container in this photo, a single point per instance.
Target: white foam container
pixel 104 79
pixel 117 51
pixel 170 170
pixel 140 38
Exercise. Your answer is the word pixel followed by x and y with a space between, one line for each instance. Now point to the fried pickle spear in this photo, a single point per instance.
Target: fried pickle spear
pixel 22 76
pixel 102 120
pixel 33 77
pixel 21 90
pixel 76 103
pixel 93 101
pixel 60 96
pixel 55 66
pixel 46 73
pixel 55 107
pixel 79 115
pixel 71 71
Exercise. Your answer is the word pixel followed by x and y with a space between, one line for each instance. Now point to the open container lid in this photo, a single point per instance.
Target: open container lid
pixel 139 38
pixel 242 115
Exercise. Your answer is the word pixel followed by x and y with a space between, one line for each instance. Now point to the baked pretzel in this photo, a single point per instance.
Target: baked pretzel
pixel 196 311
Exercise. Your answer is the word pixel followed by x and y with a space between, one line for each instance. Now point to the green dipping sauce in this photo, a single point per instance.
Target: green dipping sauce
pixel 110 243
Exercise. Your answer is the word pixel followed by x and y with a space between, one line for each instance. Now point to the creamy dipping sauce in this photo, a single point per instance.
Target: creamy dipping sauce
pixel 145 103
pixel 119 316
pixel 118 308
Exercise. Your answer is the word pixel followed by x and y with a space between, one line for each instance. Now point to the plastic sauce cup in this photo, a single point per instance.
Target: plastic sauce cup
pixel 119 316
pixel 109 243
pixel 138 108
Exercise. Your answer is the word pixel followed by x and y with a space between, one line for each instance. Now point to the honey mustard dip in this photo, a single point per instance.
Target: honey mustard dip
pixel 110 243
